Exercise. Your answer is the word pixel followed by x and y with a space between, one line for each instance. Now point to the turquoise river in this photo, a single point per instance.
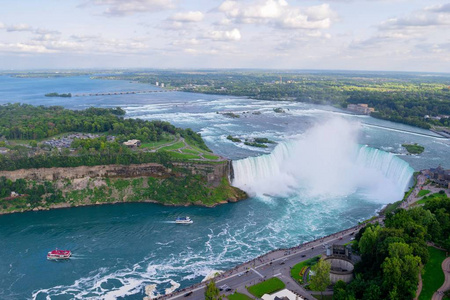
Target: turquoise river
pixel 328 171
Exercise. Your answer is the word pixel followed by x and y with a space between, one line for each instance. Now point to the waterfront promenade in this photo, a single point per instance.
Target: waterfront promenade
pixel 277 263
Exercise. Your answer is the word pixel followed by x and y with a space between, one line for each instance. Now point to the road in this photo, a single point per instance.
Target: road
pixel 273 264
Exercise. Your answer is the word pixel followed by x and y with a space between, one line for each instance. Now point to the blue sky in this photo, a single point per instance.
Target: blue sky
pixel 395 35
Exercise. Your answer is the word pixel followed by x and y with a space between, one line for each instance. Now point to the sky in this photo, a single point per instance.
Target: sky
pixel 391 35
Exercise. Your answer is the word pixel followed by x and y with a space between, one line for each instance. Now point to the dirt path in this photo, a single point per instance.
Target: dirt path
pixel 446 286
pixel 419 287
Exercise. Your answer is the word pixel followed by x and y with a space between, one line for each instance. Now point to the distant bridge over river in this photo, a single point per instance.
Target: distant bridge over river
pixel 120 93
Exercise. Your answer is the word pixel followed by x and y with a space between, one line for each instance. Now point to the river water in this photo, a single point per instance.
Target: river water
pixel 327 171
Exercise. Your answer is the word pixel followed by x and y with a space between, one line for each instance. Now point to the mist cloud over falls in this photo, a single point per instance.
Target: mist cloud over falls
pixel 325 161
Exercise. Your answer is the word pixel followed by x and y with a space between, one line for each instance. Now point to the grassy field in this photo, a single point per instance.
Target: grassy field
pixel 429 197
pixel 423 193
pixel 156 144
pixel 186 156
pixel 172 147
pixel 238 296
pixel 295 271
pixel 186 150
pixel 211 157
pixel 269 286
pixel 433 276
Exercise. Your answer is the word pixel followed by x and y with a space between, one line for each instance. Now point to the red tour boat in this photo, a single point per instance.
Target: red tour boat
pixel 59 254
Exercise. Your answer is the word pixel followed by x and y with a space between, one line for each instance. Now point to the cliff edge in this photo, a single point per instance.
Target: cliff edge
pixel 183 183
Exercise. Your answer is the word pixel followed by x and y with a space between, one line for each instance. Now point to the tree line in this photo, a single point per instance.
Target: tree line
pixel 404 98
pixel 28 122
pixel 393 255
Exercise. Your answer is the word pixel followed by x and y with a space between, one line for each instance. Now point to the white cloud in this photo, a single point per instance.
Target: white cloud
pixel 430 16
pixel 190 16
pixel 279 14
pixel 24 48
pixel 223 35
pixel 185 42
pixel 19 27
pixel 129 7
pixel 440 8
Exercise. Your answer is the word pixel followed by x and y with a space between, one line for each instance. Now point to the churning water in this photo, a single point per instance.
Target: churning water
pixel 324 175
pixel 325 161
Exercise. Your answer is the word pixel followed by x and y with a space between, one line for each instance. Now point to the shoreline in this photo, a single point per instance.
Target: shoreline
pixel 404 203
pixel 268 258
pixel 342 110
pixel 66 205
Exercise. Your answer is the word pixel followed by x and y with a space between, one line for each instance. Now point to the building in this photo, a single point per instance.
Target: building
pixel 439 176
pixel 162 84
pixel 361 108
pixel 157 83
pixel 341 265
pixel 338 251
pixel 282 295
pixel 132 144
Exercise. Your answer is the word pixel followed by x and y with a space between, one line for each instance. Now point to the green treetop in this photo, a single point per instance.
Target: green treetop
pixel 321 279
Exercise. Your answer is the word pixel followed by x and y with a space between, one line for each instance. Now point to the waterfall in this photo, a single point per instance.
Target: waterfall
pixel 325 161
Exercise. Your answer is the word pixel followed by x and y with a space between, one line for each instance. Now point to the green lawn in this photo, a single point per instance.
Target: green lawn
pixel 269 286
pixel 197 148
pixel 186 150
pixel 423 193
pixel 183 155
pixel 155 144
pixel 172 147
pixel 429 197
pixel 211 157
pixel 238 296
pixel 295 271
pixel 433 276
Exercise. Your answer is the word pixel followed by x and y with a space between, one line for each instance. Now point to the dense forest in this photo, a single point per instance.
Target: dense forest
pixel 393 254
pixel 26 122
pixel 403 97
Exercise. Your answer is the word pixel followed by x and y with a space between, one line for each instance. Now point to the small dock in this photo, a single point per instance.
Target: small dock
pixel 120 93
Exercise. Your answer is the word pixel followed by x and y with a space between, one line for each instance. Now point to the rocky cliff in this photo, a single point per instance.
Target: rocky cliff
pixel 180 184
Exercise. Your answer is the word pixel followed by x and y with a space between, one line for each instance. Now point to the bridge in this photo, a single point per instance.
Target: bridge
pixel 120 93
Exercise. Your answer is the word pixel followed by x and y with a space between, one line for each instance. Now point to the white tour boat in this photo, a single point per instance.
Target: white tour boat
pixel 184 220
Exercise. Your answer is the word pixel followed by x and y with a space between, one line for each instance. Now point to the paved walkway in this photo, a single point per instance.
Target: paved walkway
pixel 446 286
pixel 413 197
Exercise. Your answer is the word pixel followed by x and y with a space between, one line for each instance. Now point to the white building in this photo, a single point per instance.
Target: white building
pixel 283 294
pixel 157 83
pixel 132 143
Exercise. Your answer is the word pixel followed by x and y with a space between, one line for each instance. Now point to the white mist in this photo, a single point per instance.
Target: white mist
pixel 325 161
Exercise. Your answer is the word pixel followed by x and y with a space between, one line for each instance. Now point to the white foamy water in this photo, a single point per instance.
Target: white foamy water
pixel 325 161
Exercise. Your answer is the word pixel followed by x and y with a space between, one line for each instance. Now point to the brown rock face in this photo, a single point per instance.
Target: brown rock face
pixel 213 173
